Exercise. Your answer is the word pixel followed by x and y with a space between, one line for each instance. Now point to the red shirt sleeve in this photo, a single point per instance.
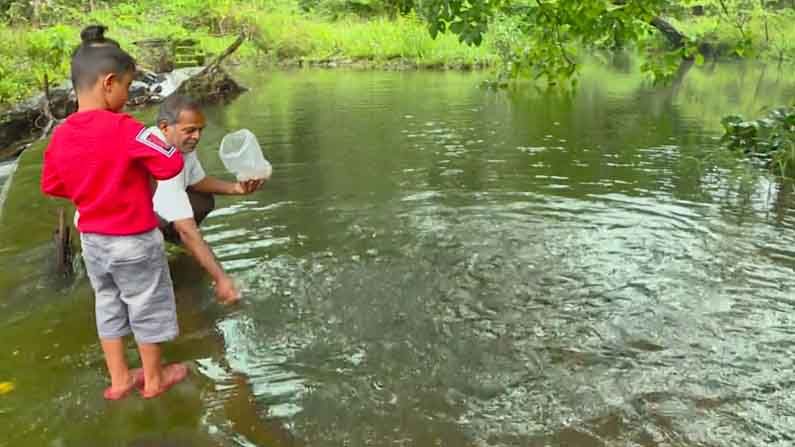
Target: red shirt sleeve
pixel 162 160
pixel 51 183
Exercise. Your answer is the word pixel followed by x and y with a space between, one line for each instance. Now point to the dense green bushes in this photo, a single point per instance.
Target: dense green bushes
pixel 280 32
pixel 770 140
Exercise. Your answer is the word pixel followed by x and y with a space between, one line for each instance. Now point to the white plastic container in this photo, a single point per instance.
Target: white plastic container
pixel 242 156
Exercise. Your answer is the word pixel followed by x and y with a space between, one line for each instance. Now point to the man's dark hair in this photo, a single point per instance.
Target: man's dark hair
pixel 173 106
pixel 97 56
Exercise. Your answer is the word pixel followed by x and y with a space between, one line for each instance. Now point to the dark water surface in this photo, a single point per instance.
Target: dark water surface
pixel 438 264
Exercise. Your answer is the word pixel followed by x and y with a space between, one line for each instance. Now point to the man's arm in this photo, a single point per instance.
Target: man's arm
pixel 213 185
pixel 194 242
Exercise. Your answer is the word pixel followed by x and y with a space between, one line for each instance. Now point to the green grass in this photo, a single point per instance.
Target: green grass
pixel 280 33
pixel 289 36
pixel 26 56
pixel 769 36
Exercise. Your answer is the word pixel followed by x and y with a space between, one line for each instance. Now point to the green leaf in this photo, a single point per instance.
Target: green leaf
pixel 730 121
pixel 433 28
pixel 610 6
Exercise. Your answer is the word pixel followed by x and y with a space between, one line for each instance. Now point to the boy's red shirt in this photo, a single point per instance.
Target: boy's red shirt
pixel 103 161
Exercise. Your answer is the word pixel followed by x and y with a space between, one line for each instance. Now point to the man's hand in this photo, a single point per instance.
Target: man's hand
pixel 213 185
pixel 248 186
pixel 225 290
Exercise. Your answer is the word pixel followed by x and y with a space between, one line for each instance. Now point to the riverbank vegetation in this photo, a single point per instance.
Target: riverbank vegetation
pixel 280 33
pixel 769 140
pixel 543 40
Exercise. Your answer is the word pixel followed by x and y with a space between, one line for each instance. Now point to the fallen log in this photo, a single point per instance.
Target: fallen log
pixel 34 118
pixel 213 83
pixel 674 36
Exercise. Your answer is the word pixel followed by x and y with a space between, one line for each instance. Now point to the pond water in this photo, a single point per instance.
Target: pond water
pixel 439 264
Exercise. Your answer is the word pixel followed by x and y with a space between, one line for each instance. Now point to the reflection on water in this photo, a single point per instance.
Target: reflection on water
pixel 6 169
pixel 438 264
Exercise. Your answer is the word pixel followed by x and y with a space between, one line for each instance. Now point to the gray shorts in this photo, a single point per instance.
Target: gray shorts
pixel 132 285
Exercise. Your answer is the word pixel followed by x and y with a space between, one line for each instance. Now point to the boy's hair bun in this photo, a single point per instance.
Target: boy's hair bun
pixel 96 56
pixel 93 34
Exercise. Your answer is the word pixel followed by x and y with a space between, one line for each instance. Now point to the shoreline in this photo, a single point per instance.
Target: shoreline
pixel 14 145
pixel 370 64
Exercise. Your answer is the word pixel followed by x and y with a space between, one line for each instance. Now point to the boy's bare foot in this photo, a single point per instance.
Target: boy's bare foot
pixel 172 375
pixel 136 380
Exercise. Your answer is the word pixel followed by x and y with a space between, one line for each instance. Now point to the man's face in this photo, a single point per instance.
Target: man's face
pixel 187 132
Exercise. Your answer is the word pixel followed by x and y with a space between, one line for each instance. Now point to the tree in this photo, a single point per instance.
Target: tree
pixel 556 29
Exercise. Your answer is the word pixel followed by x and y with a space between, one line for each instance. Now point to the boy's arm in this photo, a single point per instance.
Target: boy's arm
pixel 160 159
pixel 51 184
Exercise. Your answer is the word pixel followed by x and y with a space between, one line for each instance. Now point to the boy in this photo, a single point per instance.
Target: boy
pixel 104 162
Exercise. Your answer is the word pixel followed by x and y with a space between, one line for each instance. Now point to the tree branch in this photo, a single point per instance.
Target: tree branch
pixel 558 42
pixel 673 35
pixel 231 49
pixel 46 109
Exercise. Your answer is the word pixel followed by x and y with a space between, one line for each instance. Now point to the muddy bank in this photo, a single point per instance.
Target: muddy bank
pixel 27 120
pixel 364 63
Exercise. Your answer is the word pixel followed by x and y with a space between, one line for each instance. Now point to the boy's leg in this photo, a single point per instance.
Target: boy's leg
pixel 120 376
pixel 157 378
pixel 147 290
pixel 153 372
pixel 111 313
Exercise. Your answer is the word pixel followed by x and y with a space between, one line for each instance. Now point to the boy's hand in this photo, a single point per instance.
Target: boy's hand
pixel 248 186
pixel 225 291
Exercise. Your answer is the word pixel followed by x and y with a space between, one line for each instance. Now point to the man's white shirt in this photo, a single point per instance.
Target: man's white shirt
pixel 171 201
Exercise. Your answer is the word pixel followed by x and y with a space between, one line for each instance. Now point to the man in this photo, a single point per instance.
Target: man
pixel 182 202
